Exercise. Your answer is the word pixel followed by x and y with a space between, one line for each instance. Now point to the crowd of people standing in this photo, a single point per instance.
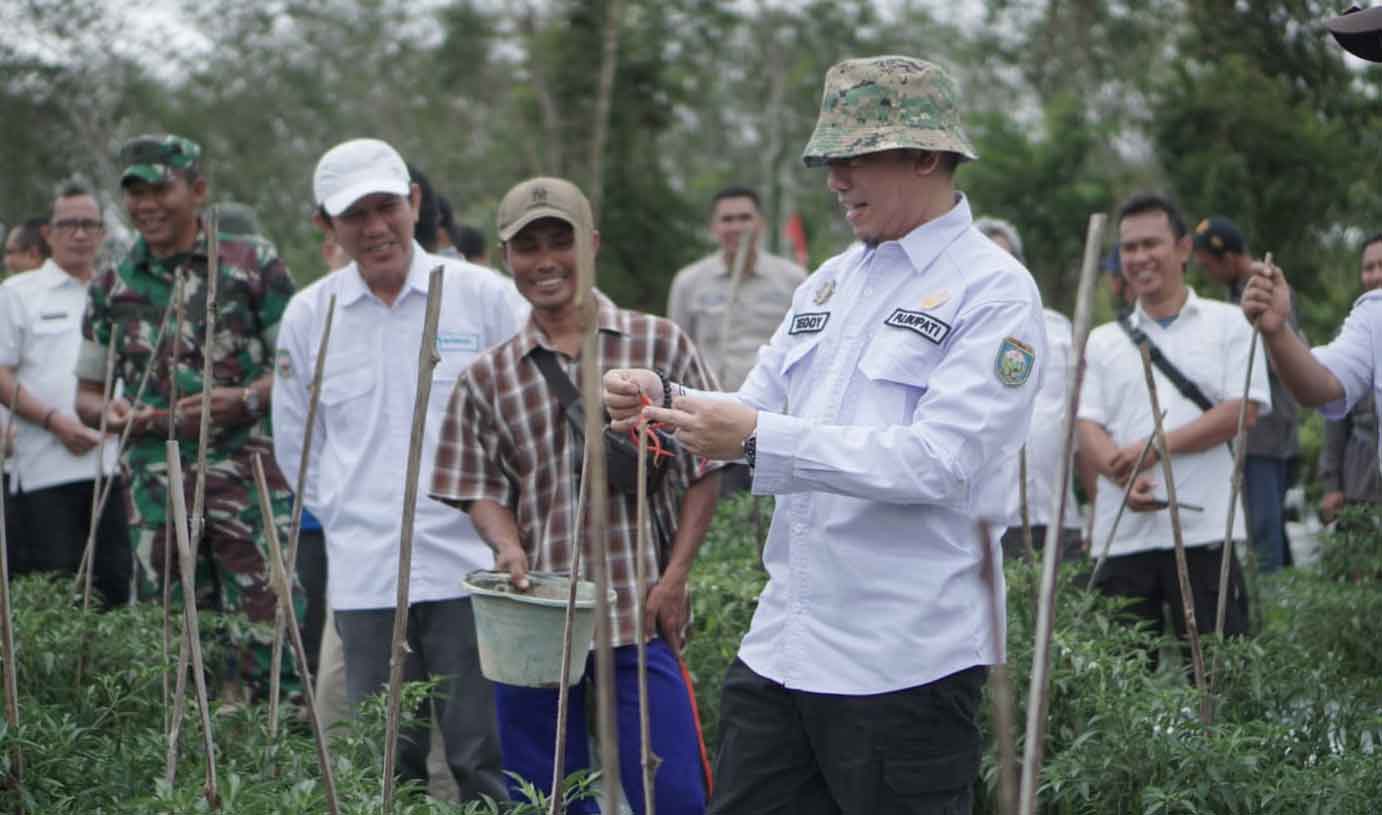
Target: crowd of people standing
pixel 886 400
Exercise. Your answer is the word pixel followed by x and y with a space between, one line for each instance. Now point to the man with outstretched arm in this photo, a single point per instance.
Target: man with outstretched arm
pixel 886 414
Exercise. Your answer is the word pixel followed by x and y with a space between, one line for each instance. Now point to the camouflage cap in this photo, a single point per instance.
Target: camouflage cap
pixel 233 218
pixel 157 157
pixel 886 103
pixel 543 198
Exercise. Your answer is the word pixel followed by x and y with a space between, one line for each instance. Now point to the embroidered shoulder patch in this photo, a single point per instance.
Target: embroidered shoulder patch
pixel 1014 362
pixel 809 323
pixel 933 329
pixel 285 364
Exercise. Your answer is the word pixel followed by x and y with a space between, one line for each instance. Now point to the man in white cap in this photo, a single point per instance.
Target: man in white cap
pixel 886 414
pixel 369 206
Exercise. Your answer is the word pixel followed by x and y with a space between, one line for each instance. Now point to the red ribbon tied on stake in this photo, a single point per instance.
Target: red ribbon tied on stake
pixel 645 426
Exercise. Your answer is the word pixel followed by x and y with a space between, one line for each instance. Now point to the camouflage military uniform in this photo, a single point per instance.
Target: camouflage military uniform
pixel 253 288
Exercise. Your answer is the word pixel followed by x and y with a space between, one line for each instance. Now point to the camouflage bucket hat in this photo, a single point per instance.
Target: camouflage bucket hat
pixel 886 103
pixel 157 158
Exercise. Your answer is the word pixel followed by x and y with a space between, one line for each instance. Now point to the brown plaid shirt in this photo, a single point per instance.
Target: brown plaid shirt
pixel 506 439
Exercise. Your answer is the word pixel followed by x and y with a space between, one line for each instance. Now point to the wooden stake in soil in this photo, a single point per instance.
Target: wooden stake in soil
pixel 89 553
pixel 125 437
pixel 295 530
pixel 1192 629
pixel 427 359
pixel 7 624
pixel 1236 489
pixel 647 760
pixel 213 273
pixel 1118 516
pixel 556 804
pixel 174 348
pixel 283 589
pixel 1026 511
pixel 192 640
pixel 1039 695
pixel 1002 696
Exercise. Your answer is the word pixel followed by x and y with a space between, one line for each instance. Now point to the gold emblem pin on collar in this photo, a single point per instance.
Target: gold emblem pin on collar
pixel 935 299
pixel 825 292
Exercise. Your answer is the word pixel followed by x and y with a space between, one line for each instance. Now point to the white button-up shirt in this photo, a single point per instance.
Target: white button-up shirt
pixel 365 417
pixel 887 432
pixel 1044 447
pixel 40 335
pixel 1209 343
pixel 1355 359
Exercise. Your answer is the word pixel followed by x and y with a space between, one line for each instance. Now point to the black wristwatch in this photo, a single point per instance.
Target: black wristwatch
pixel 751 448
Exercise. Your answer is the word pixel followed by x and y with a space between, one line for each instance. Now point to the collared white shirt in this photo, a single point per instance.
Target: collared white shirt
pixel 1355 359
pixel 1209 342
pixel 887 432
pixel 365 417
pixel 40 335
pixel 1045 443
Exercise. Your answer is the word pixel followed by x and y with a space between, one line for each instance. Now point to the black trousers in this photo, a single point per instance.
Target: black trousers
pixel 311 566
pixel 1150 579
pixel 53 524
pixel 785 752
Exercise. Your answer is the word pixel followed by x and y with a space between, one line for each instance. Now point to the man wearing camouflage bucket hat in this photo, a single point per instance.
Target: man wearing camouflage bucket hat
pixel 886 414
pixel 164 192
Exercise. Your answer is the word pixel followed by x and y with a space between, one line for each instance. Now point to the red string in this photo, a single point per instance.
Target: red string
pixel 645 426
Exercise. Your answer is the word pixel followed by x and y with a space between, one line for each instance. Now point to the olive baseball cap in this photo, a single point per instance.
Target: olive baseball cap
pixel 887 103
pixel 157 157
pixel 543 198
pixel 1359 31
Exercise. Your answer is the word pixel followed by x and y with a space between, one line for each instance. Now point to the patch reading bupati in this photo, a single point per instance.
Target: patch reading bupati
pixel 809 323
pixel 1014 363
pixel 924 324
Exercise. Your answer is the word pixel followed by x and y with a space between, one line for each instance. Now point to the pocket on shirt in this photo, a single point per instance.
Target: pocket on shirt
pixel 344 388
pixel 49 328
pixel 797 354
pixel 903 360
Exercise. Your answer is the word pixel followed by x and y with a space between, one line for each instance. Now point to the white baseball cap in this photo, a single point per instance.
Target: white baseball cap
pixel 356 168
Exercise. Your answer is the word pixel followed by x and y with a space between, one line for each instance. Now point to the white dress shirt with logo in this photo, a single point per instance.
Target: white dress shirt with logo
pixel 40 336
pixel 893 400
pixel 1355 359
pixel 365 417
pixel 1209 343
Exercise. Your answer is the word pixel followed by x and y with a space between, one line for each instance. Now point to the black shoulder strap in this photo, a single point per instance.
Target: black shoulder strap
pixel 1183 384
pixel 567 393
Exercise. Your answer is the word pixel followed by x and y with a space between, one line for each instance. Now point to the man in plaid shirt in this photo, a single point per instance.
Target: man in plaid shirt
pixel 508 457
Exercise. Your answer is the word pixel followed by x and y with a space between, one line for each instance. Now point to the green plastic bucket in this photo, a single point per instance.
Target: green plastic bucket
pixel 519 634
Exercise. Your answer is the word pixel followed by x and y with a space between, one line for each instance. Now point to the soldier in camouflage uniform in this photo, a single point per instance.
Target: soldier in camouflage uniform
pixel 164 192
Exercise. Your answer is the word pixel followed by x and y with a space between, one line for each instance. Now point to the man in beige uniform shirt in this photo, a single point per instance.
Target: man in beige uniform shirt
pixel 701 294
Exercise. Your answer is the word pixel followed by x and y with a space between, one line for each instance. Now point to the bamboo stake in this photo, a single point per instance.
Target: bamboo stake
pixel 213 271
pixel 1003 705
pixel 1118 516
pixel 647 760
pixel 295 529
pixel 1026 512
pixel 173 349
pixel 283 588
pixel 1192 628
pixel 7 622
pixel 125 434
pixel 89 553
pixel 427 360
pixel 193 641
pixel 557 804
pixel 1236 489
pixel 609 60
pixel 1039 693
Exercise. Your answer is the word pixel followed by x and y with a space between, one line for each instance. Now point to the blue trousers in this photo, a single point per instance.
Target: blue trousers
pixel 1264 491
pixel 528 731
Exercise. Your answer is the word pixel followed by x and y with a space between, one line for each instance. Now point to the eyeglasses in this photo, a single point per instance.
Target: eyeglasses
pixel 71 226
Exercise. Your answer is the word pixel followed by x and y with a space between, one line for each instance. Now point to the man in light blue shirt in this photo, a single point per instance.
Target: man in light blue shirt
pixel 886 414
